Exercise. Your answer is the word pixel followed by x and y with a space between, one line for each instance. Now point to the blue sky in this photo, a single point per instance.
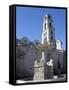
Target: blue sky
pixel 29 23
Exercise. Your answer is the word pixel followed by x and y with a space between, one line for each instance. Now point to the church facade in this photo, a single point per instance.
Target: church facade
pixel 52 61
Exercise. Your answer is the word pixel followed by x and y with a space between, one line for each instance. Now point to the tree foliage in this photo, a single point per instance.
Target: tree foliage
pixel 25 40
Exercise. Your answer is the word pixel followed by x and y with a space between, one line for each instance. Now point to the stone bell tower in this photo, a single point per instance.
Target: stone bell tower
pixel 48 33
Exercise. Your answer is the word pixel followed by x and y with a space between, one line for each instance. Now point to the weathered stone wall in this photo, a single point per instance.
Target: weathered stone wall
pixel 25 63
pixel 59 60
pixel 28 55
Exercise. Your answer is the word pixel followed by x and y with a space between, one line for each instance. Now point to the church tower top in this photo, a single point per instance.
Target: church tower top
pixel 48 33
pixel 47 16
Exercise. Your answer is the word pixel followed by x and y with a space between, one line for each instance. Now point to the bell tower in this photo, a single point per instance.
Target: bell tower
pixel 48 33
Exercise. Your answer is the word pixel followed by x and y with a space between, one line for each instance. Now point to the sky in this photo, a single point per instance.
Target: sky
pixel 29 23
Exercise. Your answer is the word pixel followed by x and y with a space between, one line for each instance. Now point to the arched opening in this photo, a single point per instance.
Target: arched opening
pixel 45 26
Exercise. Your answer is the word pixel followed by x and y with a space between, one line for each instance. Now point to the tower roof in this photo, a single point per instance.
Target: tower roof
pixel 46 15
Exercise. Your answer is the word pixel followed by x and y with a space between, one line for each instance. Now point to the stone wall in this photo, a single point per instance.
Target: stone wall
pixel 28 55
pixel 25 63
pixel 59 60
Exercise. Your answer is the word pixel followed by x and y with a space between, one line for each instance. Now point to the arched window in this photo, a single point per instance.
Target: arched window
pixel 45 18
pixel 52 32
pixel 49 16
pixel 45 26
pixel 51 37
pixel 50 25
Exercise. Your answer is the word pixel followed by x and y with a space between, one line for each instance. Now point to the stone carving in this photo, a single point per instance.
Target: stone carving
pixel 39 73
pixel 58 45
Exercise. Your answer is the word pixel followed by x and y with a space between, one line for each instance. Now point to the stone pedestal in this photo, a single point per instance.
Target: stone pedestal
pixel 49 70
pixel 38 71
